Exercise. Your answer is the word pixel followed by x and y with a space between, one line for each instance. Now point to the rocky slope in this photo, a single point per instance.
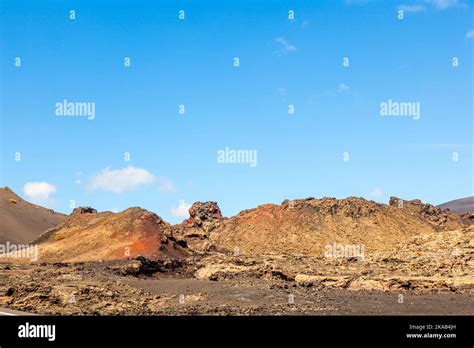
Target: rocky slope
pixel 307 226
pixel 442 260
pixel 87 235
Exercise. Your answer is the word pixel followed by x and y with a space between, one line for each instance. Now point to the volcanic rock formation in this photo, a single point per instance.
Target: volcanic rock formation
pixel 307 226
pixel 195 231
pixel 86 235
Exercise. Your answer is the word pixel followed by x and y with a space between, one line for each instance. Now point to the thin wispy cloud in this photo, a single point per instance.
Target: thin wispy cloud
pixel 343 88
pixel 78 180
pixel 304 24
pixel 284 45
pixel 445 4
pixel 412 8
pixel 447 146
pixel 282 93
pixel 300 23
pixel 165 185
pixel 376 194
pixel 470 34
pixel 436 4
pixel 356 2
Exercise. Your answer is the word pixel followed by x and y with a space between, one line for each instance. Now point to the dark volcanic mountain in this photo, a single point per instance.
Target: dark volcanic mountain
pixel 21 221
pixel 463 205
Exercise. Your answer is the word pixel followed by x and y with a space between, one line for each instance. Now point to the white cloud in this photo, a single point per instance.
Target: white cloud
pixel 285 45
pixel 376 193
pixel 343 88
pixel 470 34
pixel 120 180
pixel 181 211
pixel 412 8
pixel 165 185
pixel 39 191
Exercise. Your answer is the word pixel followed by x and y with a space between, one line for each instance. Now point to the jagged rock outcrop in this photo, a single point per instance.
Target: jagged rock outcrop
pixel 205 218
pixel 468 218
pixel 84 210
pixel 438 218
pixel 205 215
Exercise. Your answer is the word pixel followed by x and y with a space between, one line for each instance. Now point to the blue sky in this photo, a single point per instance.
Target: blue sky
pixel 190 62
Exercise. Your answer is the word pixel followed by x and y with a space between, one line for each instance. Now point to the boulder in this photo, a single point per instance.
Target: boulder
pixel 205 215
pixel 84 210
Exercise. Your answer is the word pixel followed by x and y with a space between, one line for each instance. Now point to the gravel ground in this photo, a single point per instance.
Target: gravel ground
pixel 110 288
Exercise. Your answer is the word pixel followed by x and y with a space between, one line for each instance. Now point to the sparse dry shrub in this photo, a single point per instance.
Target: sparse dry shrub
pixel 57 237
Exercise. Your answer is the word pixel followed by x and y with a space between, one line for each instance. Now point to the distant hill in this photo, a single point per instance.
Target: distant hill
pixel 463 205
pixel 21 221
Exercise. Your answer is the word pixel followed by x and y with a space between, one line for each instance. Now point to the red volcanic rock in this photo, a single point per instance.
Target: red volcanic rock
pixel 86 235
